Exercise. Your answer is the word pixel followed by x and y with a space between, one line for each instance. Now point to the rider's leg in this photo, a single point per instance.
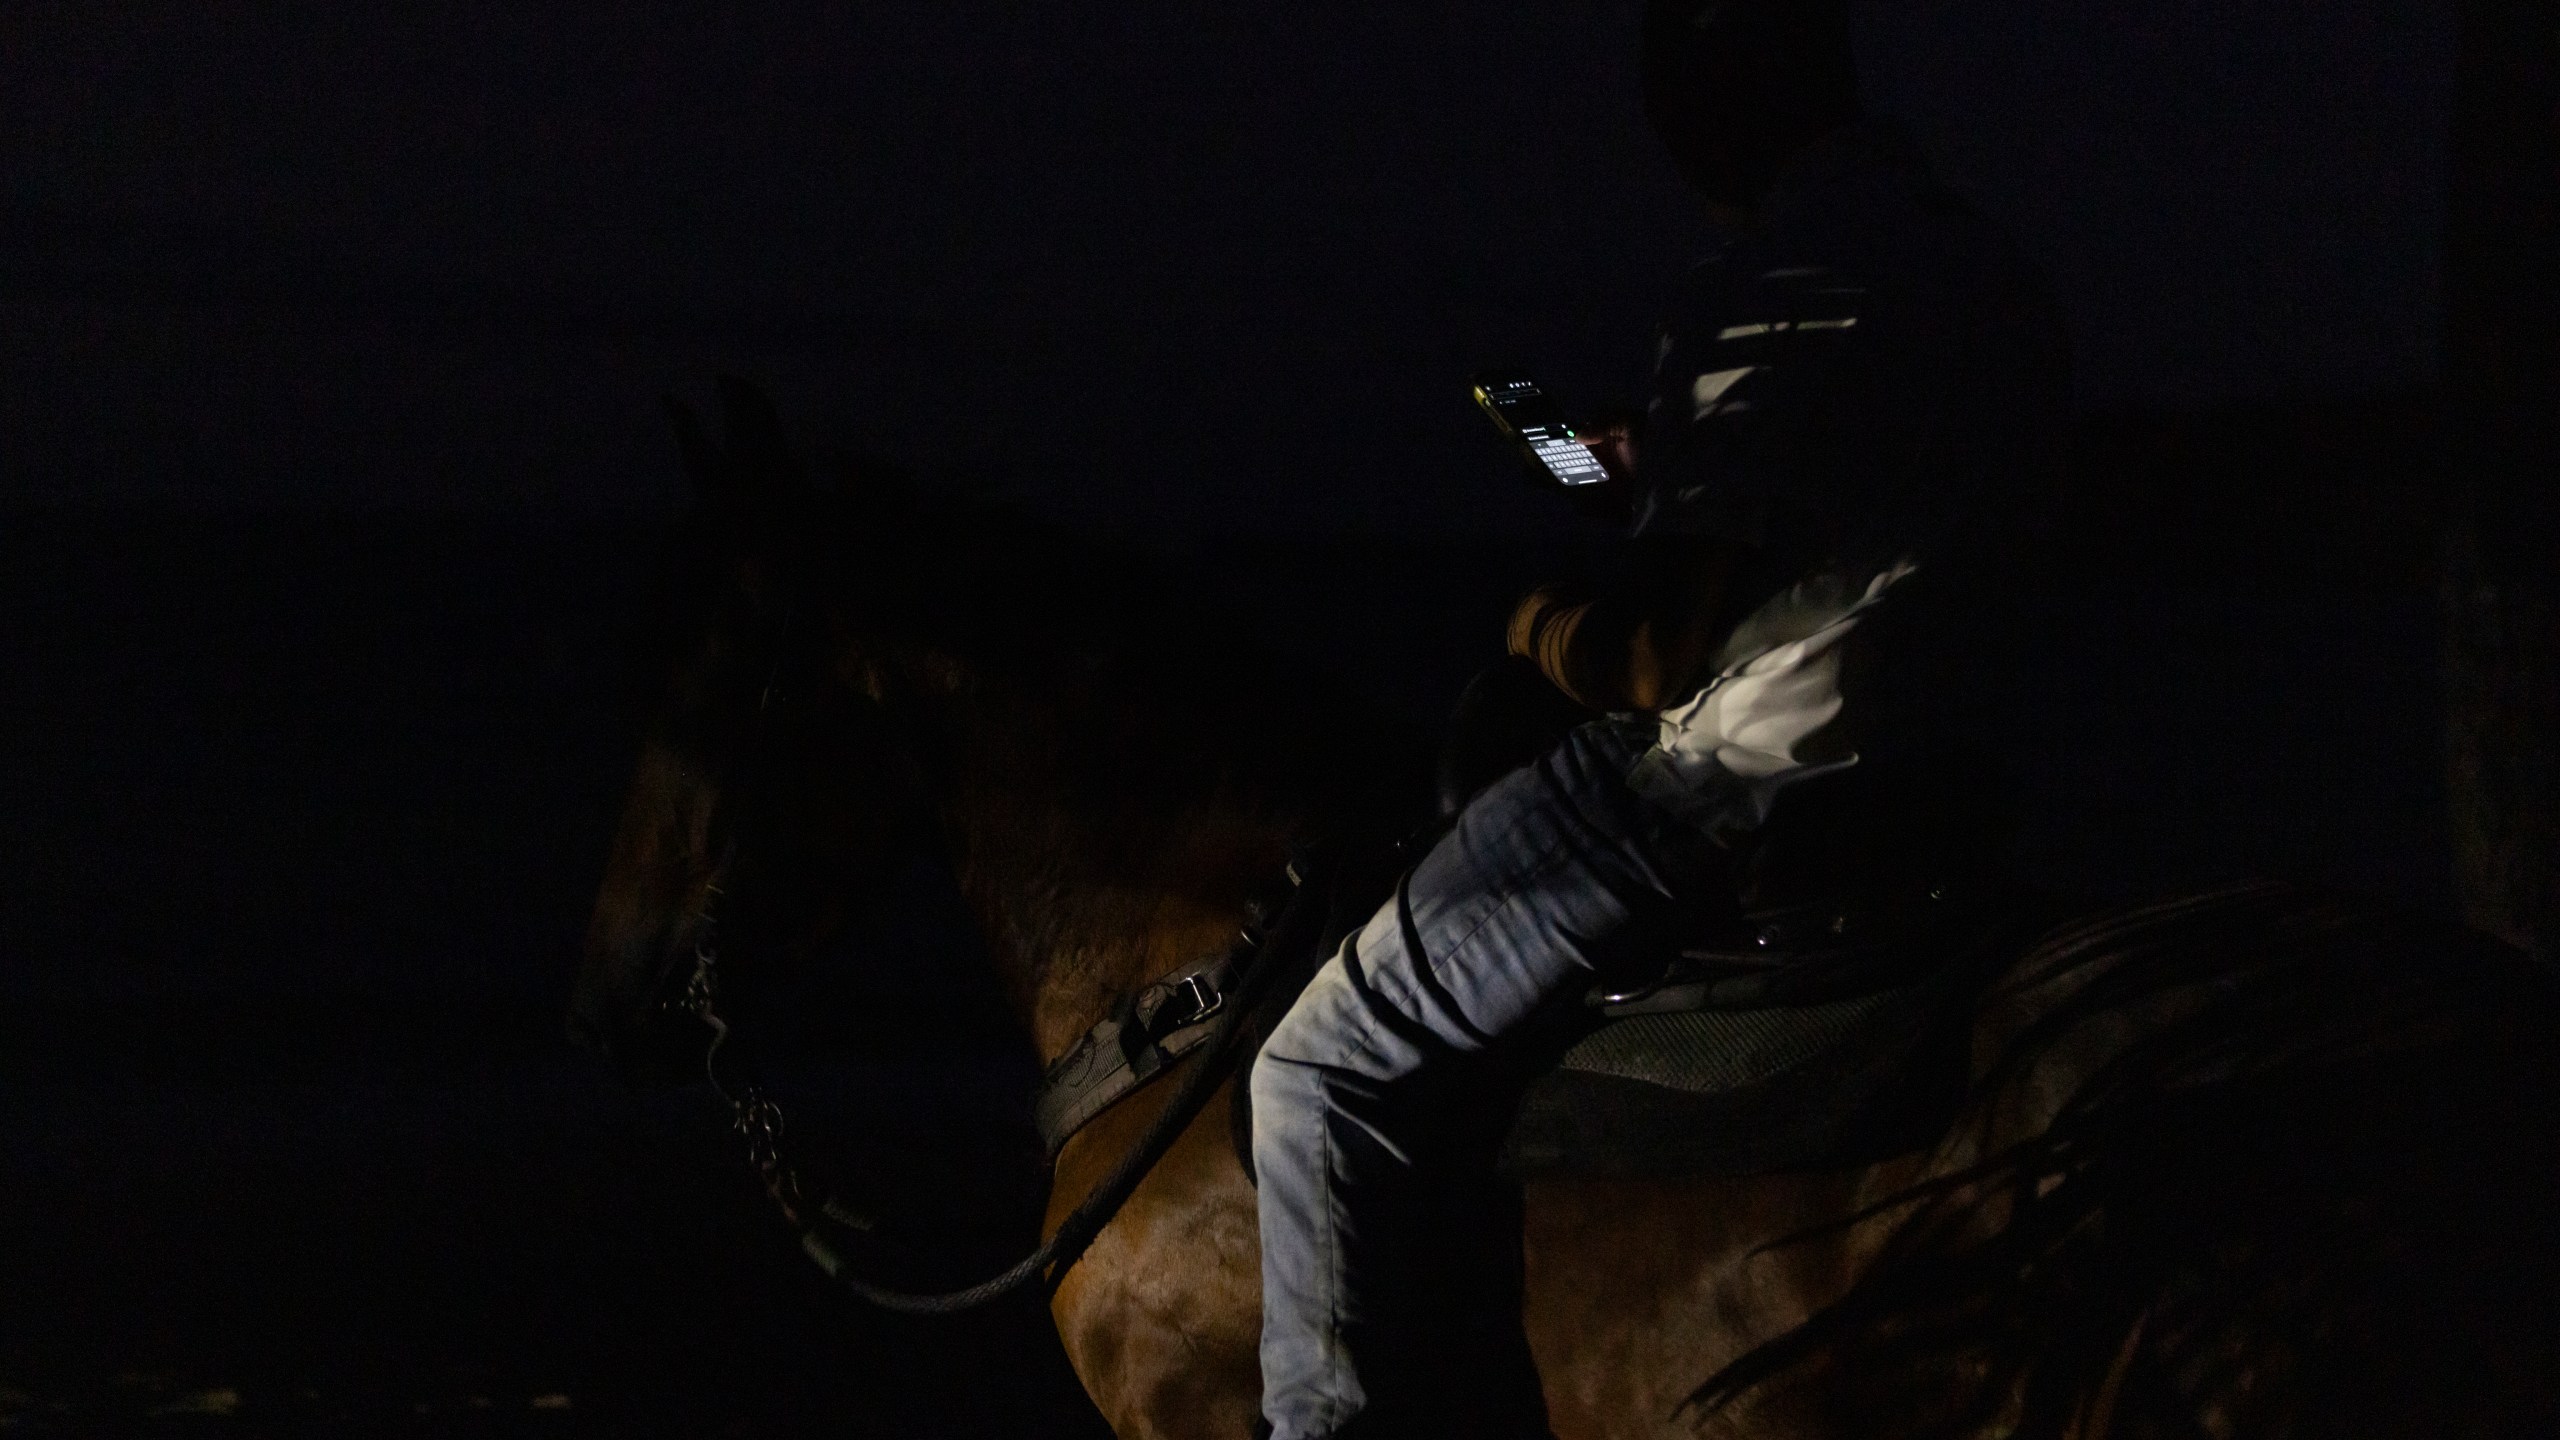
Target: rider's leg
pixel 1551 874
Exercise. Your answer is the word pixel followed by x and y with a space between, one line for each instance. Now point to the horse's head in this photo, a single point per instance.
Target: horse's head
pixel 867 670
pixel 769 788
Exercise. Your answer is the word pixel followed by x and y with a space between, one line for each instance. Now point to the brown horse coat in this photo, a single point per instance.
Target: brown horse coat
pixel 1108 804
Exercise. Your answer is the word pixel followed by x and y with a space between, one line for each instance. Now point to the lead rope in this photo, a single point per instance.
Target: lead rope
pixel 756 1117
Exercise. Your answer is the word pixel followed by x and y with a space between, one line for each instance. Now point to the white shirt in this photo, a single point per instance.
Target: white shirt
pixel 1772 715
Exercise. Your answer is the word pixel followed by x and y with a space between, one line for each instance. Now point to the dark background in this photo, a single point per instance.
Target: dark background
pixel 330 469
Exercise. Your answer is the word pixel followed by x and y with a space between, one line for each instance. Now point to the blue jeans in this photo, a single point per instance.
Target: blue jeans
pixel 1390 1255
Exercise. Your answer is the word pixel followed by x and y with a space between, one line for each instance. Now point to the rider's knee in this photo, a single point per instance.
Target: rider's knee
pixel 1316 1032
pixel 1324 1038
pixel 1276 1083
pixel 1288 1094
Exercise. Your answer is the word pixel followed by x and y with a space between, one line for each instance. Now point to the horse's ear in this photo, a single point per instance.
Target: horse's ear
pixel 753 459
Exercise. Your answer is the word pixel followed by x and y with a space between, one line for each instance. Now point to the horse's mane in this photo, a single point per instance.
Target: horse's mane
pixel 2307 1196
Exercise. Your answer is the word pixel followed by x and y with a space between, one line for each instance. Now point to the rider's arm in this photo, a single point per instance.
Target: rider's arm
pixel 1638 646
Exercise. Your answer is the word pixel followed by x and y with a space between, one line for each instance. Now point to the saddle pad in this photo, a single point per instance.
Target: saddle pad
pixel 1710 1051
pixel 1750 1092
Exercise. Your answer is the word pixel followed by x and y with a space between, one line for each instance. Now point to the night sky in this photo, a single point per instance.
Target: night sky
pixel 331 467
pixel 1174 265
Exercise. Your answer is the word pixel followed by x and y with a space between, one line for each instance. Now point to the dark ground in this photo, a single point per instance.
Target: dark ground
pixel 301 814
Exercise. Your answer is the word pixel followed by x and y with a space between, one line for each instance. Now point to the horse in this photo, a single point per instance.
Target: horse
pixel 2245 1162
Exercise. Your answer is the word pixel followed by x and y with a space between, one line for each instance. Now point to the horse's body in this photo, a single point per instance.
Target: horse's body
pixel 1109 784
pixel 1637 1290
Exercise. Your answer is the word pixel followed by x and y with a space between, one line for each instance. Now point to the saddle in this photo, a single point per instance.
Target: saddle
pixel 1796 1039
pixel 1788 1055
pixel 1730 1066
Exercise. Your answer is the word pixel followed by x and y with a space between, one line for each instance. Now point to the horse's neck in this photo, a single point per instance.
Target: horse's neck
pixel 1087 891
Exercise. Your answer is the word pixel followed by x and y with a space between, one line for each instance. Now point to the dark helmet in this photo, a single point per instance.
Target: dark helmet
pixel 1735 87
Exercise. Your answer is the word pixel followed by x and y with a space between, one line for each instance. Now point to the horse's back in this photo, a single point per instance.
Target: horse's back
pixel 2242 1061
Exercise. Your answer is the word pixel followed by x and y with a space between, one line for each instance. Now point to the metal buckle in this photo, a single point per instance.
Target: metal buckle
pixel 1200 993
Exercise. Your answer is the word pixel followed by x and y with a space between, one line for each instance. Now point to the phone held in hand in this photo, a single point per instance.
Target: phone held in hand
pixel 1525 413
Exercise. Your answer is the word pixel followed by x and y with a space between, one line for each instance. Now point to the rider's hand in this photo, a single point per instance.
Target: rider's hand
pixel 1610 435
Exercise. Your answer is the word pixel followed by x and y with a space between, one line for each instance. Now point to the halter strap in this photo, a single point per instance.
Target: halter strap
pixel 1131 1046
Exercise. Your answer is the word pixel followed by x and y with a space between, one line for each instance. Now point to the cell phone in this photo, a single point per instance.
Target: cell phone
pixel 1525 413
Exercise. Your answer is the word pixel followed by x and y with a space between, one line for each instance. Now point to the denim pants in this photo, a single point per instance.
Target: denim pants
pixel 1390 1254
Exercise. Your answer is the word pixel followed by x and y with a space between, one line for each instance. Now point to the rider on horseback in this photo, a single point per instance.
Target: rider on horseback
pixel 1859 393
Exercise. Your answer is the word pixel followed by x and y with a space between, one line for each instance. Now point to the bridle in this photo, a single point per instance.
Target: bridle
pixel 1207 1020
pixel 826 1223
pixel 1222 1029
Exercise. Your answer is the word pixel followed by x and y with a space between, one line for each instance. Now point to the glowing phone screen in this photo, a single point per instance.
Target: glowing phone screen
pixel 1526 414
